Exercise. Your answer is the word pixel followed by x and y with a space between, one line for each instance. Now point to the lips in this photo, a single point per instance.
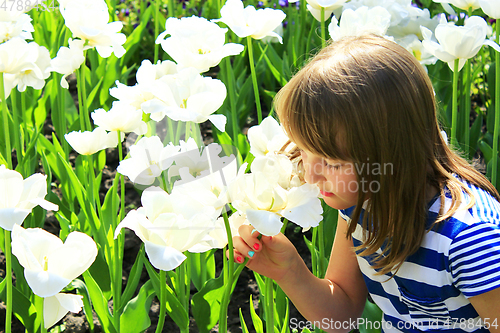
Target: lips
pixel 326 194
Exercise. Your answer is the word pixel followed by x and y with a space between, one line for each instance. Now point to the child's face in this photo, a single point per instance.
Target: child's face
pixel 336 179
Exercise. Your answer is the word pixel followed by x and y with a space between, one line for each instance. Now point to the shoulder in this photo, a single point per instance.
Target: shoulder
pixel 472 238
pixel 485 212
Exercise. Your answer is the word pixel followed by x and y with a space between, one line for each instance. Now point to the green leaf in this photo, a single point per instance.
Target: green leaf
pixel 134 277
pixel 110 206
pixel 87 307
pixel 205 304
pixel 22 308
pixel 100 303
pixel 275 64
pixel 100 271
pixel 135 317
pixel 202 267
pixel 486 150
pixel 257 322
pixel 244 328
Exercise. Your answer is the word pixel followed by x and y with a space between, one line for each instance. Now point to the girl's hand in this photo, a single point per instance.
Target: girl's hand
pixel 272 256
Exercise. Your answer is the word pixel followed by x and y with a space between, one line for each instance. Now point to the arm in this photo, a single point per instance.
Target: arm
pixel 340 296
pixel 487 306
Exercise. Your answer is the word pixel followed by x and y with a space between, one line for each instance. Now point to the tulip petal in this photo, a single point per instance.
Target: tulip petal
pixel 164 257
pixel 56 307
pixel 219 121
pixel 31 246
pixel 11 188
pixel 45 283
pixel 79 249
pixel 11 216
pixel 267 223
pixel 304 207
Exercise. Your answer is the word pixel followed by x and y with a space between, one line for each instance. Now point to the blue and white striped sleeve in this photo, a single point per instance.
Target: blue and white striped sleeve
pixel 474 259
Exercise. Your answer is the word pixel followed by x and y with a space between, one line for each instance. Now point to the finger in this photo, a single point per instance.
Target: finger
pixel 241 246
pixel 251 237
pixel 237 256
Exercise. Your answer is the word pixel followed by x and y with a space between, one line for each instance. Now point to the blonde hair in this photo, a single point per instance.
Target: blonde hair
pixel 368 100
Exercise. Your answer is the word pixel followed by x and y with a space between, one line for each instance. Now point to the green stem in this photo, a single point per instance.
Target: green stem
pixel 5 117
pixel 269 305
pixel 8 278
pixel 454 106
pixel 157 28
pixel 497 109
pixel 321 246
pixel 26 135
pixel 254 79
pixel 163 301
pixel 467 107
pixel 183 289
pixel 171 132
pixel 39 306
pixel 16 127
pixel 82 97
pixel 323 33
pixel 171 8
pixel 62 119
pixel 314 261
pixel 188 132
pixel 118 245
pixel 228 277
pixel 232 99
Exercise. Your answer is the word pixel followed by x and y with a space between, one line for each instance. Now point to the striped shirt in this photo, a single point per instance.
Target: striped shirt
pixel 459 258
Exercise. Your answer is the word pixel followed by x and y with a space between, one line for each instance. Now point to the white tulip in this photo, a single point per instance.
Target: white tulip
pixel 418 17
pixel 457 42
pixel 270 192
pixel 462 4
pixel 211 180
pixel 491 8
pixel 146 77
pixel 196 42
pixel 217 238
pixel 17 55
pixel 266 138
pixel 248 21
pixel 169 225
pixel 88 143
pixel 49 264
pixel 35 79
pixel 315 6
pixel 121 117
pixel 197 162
pixel 188 96
pixel 88 20
pixel 413 44
pixel 18 197
pixel 15 24
pixel 57 306
pixel 148 159
pixel 399 9
pixel 68 60
pixel 361 21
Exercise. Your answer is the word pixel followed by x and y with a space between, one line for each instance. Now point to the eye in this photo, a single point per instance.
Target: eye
pixel 334 166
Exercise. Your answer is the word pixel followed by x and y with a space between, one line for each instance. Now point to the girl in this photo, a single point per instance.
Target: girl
pixel 418 228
